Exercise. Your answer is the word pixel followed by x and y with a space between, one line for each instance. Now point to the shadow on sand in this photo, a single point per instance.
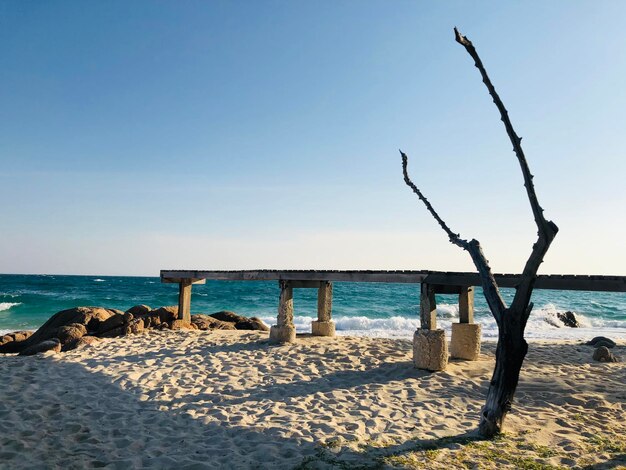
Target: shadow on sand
pixel 50 399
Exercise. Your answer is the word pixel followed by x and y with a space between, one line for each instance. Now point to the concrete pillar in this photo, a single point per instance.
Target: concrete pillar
pixel 284 331
pixel 466 305
pixel 428 307
pixel 466 335
pixel 184 300
pixel 324 326
pixel 465 341
pixel 430 349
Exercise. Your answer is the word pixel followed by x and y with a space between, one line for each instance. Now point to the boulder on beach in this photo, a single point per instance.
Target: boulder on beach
pixel 601 341
pixel 166 314
pixel 113 322
pixel 80 326
pixel 90 317
pixel 71 332
pixel 241 322
pixel 16 336
pixel 139 310
pixel 83 341
pixel 48 345
pixel 134 327
pixel 603 354
pixel 151 320
pixel 206 322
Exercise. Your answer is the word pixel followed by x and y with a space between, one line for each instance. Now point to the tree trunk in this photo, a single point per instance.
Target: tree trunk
pixel 510 353
pixel 512 346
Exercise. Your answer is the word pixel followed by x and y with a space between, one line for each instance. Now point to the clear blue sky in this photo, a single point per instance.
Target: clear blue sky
pixel 143 135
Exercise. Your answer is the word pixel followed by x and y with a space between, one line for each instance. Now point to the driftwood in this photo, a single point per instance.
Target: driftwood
pixel 511 320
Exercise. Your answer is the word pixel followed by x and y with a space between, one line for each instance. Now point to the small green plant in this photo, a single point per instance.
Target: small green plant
pixel 608 444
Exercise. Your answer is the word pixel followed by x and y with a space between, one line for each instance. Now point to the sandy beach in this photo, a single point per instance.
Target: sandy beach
pixel 227 399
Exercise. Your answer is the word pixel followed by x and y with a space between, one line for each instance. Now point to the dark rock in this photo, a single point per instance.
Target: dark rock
pixel 139 310
pixel 255 324
pixel 133 327
pixel 241 322
pixel 69 333
pixel 136 326
pixel 609 343
pixel 603 354
pixel 151 320
pixel 52 344
pixel 166 314
pixel 111 323
pixel 114 333
pixel 205 322
pixel 568 318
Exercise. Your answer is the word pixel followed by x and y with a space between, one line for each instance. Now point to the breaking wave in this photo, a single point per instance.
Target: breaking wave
pixel 8 305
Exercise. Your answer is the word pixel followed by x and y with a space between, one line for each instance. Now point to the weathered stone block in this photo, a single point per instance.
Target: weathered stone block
pixel 430 349
pixel 323 328
pixel 282 334
pixel 465 341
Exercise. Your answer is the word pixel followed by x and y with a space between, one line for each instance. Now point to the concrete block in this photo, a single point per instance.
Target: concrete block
pixel 465 343
pixel 323 328
pixel 430 349
pixel 282 334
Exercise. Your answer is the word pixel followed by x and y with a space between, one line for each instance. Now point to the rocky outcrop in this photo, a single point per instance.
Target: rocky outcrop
pixel 83 326
pixel 89 317
pixel 568 319
pixel 241 322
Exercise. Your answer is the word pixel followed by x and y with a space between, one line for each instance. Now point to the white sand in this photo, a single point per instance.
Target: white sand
pixel 227 399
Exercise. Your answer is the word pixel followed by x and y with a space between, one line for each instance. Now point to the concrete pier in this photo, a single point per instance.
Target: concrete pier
pixel 430 348
pixel 284 331
pixel 466 335
pixel 324 326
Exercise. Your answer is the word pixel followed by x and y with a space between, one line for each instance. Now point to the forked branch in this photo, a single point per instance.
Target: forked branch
pixel 547 229
pixel 490 288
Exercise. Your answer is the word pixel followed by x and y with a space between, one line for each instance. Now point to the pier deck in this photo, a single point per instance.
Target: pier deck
pixel 434 278
pixel 430 349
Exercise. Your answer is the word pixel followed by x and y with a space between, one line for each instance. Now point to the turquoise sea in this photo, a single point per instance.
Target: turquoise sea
pixel 389 310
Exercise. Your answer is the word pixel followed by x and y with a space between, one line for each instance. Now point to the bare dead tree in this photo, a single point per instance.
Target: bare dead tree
pixel 511 320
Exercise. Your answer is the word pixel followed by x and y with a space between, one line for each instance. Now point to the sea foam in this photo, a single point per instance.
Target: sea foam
pixel 542 324
pixel 8 305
